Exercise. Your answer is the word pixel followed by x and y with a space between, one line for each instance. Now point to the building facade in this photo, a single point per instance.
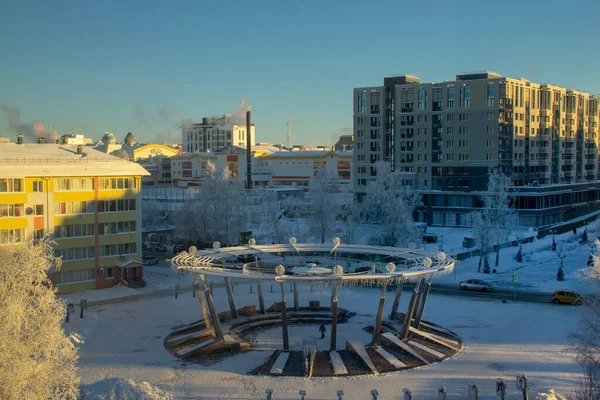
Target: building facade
pixel 443 138
pixel 214 134
pixel 269 168
pixel 87 201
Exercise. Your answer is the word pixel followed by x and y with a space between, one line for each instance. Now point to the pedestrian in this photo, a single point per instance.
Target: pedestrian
pixel 322 330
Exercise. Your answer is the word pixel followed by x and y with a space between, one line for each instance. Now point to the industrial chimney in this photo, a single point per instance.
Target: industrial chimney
pixel 20 138
pixel 79 149
pixel 248 151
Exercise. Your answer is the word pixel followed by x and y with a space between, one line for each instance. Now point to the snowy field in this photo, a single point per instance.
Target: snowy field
pixel 124 341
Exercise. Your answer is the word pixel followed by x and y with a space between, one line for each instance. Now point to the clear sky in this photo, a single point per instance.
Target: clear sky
pixel 145 66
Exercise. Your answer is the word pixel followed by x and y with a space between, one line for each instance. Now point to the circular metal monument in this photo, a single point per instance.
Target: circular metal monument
pixel 400 340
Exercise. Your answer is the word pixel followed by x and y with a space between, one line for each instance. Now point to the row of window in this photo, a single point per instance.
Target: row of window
pixel 78 275
pixel 117 183
pixel 116 205
pixel 73 207
pixel 8 185
pixel 84 253
pixel 107 228
pixel 72 184
pixel 12 236
pixel 75 253
pixel 11 210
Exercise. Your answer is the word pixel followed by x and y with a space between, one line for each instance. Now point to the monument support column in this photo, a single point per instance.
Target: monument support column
pixel 213 310
pixel 284 326
pixel 296 303
pixel 261 299
pixel 377 329
pixel 410 311
pixel 231 299
pixel 334 318
pixel 397 299
pixel 421 309
pixel 202 302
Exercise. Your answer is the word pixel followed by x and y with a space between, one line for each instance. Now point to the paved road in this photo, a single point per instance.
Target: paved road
pixel 498 294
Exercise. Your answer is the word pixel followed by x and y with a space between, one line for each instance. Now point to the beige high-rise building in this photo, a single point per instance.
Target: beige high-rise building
pixel 443 138
pixel 215 133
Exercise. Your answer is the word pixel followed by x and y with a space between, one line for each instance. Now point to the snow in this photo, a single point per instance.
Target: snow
pixel 501 340
pixel 390 358
pixel 338 365
pixel 123 389
pixel 277 368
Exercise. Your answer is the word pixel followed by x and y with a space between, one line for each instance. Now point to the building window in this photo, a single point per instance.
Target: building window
pixel 12 236
pixel 449 143
pixel 422 99
pixel 11 185
pixel 490 116
pixel 449 117
pixel 490 143
pixel 11 210
pixel 109 273
pixel 38 186
pixel 361 102
pixel 490 129
pixel 38 209
pixel 490 94
pixel 450 97
pixel 79 275
pixel 463 116
pixel 449 130
pixel 465 96
pixel 450 157
pixel 490 156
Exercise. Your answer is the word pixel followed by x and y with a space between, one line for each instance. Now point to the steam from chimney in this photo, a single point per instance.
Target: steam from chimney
pixel 239 112
pixel 31 131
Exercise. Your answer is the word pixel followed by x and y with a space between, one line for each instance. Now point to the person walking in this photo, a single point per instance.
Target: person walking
pixel 322 330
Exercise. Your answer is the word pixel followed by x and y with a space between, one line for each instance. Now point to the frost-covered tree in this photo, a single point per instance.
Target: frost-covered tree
pixel 585 339
pixel 37 360
pixel 271 206
pixel 215 214
pixel 497 209
pixel 481 234
pixel 392 205
pixel 325 195
pixel 350 214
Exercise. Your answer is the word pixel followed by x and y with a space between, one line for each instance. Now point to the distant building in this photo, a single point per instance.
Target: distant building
pixel 129 139
pixel 346 142
pixel 443 137
pixel 155 158
pixel 270 167
pixel 4 139
pixel 76 139
pixel 214 134
pixel 87 200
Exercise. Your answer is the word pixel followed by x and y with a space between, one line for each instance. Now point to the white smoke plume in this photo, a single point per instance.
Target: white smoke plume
pixel 239 112
pixel 31 130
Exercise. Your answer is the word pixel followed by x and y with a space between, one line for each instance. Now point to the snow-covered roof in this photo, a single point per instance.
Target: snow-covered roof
pixel 34 160
pixel 191 154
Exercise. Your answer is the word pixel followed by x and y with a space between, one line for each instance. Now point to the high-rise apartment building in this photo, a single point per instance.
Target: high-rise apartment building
pixel 214 134
pixel 443 138
pixel 89 203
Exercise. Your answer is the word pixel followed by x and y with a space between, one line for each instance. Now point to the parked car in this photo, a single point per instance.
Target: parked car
pixel 567 297
pixel 150 260
pixel 178 248
pixel 429 238
pixel 468 242
pixel 476 284
pixel 161 248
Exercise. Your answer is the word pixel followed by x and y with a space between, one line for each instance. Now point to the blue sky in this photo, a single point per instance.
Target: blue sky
pixel 123 66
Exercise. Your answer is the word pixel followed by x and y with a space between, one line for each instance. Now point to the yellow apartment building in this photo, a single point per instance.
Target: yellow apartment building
pixel 87 201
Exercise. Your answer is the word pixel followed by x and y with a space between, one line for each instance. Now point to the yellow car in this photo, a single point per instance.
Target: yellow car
pixel 567 297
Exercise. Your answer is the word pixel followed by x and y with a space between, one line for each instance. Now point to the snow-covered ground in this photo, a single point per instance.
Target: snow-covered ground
pixel 539 267
pixel 125 340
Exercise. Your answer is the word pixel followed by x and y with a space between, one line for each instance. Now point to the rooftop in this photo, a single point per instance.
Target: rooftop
pixel 24 160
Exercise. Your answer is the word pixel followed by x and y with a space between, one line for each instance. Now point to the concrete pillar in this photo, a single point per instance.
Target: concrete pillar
pixel 377 329
pixel 213 311
pixel 396 300
pixel 421 309
pixel 334 318
pixel 261 299
pixel 284 326
pixel 202 302
pixel 296 303
pixel 231 299
pixel 410 311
